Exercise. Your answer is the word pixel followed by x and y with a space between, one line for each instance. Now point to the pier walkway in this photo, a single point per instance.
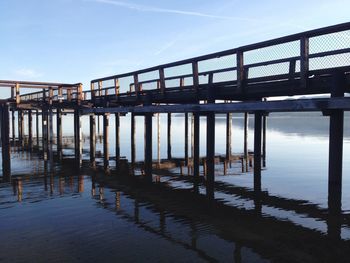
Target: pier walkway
pixel 242 79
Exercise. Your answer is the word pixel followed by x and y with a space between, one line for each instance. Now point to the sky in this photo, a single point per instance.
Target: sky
pixel 75 41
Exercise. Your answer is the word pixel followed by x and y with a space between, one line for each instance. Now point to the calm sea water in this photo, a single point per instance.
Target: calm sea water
pixel 64 214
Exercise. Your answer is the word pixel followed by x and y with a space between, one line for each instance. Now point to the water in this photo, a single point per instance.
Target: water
pixel 88 216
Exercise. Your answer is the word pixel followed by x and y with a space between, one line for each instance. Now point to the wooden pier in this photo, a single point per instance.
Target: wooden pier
pixel 240 80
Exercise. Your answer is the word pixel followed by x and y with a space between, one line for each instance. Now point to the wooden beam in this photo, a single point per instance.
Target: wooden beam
pixel 298 105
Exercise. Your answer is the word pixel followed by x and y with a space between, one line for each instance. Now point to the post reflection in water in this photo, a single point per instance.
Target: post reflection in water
pixel 241 222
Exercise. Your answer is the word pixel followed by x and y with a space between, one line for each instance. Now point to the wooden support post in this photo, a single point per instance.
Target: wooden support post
pixel 105 140
pixel 30 130
pixel 264 123
pixel 13 127
pixel 77 137
pixel 44 127
pixel 98 126
pixel 335 162
pixel 228 136
pixel 117 137
pixel 257 162
pixel 5 142
pixel 158 138
pixel 257 150
pixel 59 132
pixel 20 127
pixel 186 139
pixel 93 140
pixel 246 127
pixel 148 146
pixel 210 154
pixel 169 137
pixel 133 139
pixel 37 127
pixel 196 142
pixel 50 135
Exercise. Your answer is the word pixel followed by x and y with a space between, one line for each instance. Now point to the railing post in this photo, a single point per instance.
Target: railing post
pixel 92 89
pixel 240 71
pixel 59 94
pixel 80 93
pixel 162 80
pixel 116 87
pixel 304 61
pixel 195 75
pixel 69 95
pixel 18 98
pixel 136 85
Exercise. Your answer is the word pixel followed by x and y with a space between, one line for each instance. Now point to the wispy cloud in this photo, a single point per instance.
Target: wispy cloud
pixel 146 8
pixel 27 73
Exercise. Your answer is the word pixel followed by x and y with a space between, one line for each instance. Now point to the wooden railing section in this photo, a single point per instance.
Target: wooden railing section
pixel 297 57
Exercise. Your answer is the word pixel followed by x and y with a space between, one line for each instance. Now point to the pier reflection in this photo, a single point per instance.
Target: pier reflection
pixel 186 218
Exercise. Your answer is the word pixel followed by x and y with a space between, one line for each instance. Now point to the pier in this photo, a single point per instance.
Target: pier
pixel 249 80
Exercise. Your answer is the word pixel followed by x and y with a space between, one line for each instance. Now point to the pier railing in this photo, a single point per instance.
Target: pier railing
pixel 297 58
pixel 49 92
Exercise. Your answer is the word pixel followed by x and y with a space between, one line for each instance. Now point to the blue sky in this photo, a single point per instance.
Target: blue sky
pixel 79 40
